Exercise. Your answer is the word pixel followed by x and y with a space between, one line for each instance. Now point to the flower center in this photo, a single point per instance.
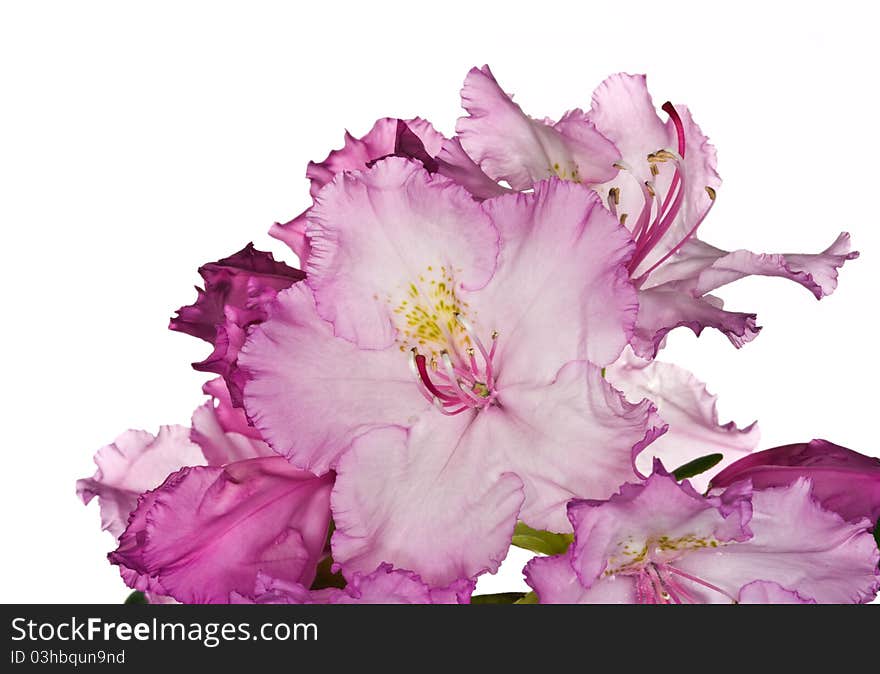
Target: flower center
pixel 659 211
pixel 458 382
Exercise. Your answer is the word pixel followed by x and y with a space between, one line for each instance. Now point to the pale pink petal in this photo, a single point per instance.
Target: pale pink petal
pixel 134 463
pixel 222 431
pixel 385 585
pixel 211 530
pixel 685 404
pixel 700 268
pixel 393 586
pixel 293 233
pixel 765 592
pixel 436 499
pixel 237 290
pixel 561 281
pixel 614 535
pixel 385 239
pixel 554 581
pixel 572 438
pixel 453 162
pixel 509 145
pixel 385 139
pixel 665 308
pixel 310 393
pixel 798 545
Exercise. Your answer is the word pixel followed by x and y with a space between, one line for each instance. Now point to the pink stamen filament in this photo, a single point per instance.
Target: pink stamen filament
pixel 459 385
pixel 648 234
pixel 699 581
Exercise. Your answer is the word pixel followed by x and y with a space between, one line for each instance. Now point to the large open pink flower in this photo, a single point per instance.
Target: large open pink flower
pixel 445 359
pixel 660 542
pixel 658 178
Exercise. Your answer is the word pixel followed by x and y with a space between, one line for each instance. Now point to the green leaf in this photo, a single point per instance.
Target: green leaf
pixel 545 542
pixel 530 598
pixel 136 598
pixel 499 598
pixel 697 466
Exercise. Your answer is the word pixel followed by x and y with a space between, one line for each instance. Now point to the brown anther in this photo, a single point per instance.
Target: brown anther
pixel 623 218
pixel 654 170
pixel 711 192
pixel 614 195
pixel 650 188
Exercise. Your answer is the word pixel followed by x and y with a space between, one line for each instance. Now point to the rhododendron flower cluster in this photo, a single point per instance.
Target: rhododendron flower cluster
pixel 466 360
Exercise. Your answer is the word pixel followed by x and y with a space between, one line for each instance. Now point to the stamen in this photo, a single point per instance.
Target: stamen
pixel 700 581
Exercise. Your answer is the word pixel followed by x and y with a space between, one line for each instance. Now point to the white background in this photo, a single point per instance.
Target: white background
pixel 138 140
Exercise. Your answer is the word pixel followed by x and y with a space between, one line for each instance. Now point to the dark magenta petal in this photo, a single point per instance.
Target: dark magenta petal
pixel 843 480
pixel 237 290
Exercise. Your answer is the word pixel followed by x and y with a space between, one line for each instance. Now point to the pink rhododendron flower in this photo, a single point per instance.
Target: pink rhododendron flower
pixel 684 403
pixel 208 531
pixel 444 357
pixel 237 289
pixel 665 187
pixel 385 585
pixel 842 480
pixel 660 542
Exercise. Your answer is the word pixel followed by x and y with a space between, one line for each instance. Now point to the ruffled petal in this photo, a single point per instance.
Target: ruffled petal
pixel 623 111
pixel 237 290
pixel 614 535
pixel 764 592
pixel 561 281
pixel 554 581
pixel 223 431
pixel 385 240
pixel 798 545
pixel 385 585
pixel 665 308
pixel 685 404
pixel 134 463
pixel 509 145
pixel 209 531
pixel 700 268
pixel 389 137
pixel 843 480
pixel 573 438
pixel 454 163
pixel 436 500
pixel 310 393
